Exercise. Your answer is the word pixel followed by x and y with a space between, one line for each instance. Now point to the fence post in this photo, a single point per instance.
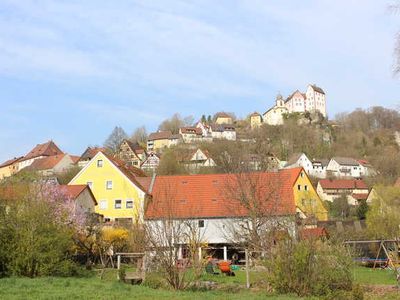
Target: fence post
pixel 246 251
pixel 118 265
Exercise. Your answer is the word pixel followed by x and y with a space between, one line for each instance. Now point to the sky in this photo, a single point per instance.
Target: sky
pixel 71 70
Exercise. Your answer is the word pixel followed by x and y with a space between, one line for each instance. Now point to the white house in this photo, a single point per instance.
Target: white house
pixel 344 167
pixel 223 131
pixel 319 168
pixel 300 160
pixel 366 168
pixel 191 134
pixel 39 151
pixel 52 165
pixel 151 162
pixel 202 200
pixel 198 159
pixel 274 116
pixel 354 189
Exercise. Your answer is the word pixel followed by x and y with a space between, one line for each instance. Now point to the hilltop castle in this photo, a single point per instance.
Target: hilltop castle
pixel 312 100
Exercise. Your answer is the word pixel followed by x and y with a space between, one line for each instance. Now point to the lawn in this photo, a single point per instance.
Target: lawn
pixel 94 288
pixel 364 275
pixel 109 288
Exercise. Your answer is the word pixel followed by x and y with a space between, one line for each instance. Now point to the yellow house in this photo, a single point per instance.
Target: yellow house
pixel 159 140
pixel 223 118
pixel 9 168
pixel 255 120
pixel 116 187
pixel 308 203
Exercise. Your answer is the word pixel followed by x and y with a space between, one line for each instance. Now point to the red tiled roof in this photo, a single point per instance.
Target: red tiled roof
pixel 255 114
pixel 46 149
pixel 363 196
pixel 313 233
pixel 207 196
pixel 222 115
pixel 46 163
pixel 192 130
pixel 75 190
pixel 160 135
pixel 343 184
pixel 75 158
pixel 10 161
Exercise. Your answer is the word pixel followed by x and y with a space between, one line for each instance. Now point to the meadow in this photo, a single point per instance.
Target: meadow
pixel 379 284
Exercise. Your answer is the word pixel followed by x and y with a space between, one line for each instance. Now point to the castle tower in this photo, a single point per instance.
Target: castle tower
pixel 279 100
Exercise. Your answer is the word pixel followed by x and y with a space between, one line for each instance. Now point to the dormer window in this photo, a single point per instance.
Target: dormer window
pixel 100 163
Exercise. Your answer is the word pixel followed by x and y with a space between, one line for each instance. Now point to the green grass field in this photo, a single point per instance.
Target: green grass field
pixel 109 288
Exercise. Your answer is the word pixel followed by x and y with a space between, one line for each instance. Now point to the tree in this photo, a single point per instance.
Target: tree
pixel 340 207
pixel 203 119
pixel 139 136
pixel 115 139
pixel 169 164
pixel 259 196
pixel 383 216
pixel 175 122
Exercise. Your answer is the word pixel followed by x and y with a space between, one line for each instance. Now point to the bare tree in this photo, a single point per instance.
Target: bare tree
pixel 175 122
pixel 257 197
pixel 115 139
pixel 139 135
pixel 167 234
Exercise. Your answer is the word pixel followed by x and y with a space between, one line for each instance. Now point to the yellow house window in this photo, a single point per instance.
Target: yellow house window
pixel 129 204
pixel 109 184
pixel 118 204
pixel 100 163
pixel 103 204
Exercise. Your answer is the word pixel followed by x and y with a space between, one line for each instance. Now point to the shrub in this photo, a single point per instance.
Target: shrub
pixel 309 268
pixel 36 230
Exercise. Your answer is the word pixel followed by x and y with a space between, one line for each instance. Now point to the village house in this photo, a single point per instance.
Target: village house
pixel 197 159
pixel 223 131
pixel 9 167
pixel 217 131
pixel 132 153
pixel 191 134
pixel 354 189
pixel 203 200
pixel 257 162
pixel 319 168
pixel 151 163
pixel 84 200
pixel 300 160
pixel 255 120
pixel 366 168
pixel 158 141
pixel 88 154
pixel 223 118
pixel 39 151
pixel 344 167
pixel 52 165
pixel 116 187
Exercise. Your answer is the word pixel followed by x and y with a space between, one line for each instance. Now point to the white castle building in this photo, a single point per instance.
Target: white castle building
pixel 313 100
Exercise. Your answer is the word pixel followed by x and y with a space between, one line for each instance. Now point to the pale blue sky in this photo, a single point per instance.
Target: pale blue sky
pixel 72 70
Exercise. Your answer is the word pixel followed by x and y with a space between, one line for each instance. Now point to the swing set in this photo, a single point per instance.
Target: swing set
pixel 376 253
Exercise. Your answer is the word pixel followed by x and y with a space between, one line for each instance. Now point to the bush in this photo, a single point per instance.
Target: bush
pixel 310 268
pixel 36 235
